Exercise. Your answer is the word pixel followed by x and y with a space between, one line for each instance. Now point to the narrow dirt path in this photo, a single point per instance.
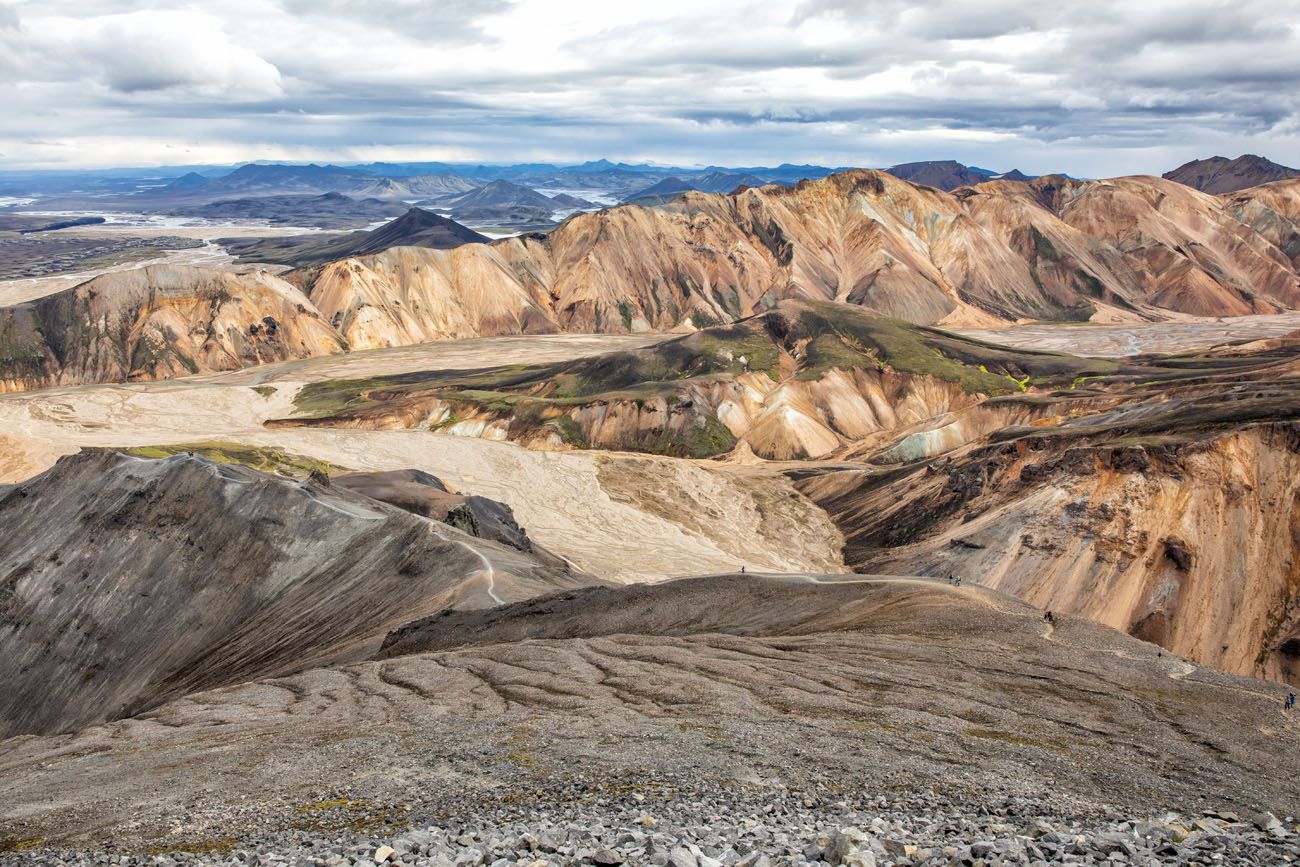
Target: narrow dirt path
pixel 489 573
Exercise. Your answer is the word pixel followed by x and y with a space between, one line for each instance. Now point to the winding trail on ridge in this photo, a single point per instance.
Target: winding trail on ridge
pixel 487 572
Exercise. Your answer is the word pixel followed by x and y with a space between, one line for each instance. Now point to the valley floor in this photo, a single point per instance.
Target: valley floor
pixel 116 235
pixel 625 517
pixel 1185 334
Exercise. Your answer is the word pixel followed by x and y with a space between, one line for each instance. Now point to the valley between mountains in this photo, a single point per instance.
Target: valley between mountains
pixel 747 503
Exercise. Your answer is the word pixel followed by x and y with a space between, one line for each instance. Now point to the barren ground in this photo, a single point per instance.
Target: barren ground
pixel 1113 341
pixel 869 685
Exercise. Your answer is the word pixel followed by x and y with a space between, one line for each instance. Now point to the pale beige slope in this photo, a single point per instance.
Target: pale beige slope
pixel 469 354
pixel 411 295
pixel 1113 341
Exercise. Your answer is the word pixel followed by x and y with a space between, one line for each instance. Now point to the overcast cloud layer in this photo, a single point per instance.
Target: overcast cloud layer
pixel 1093 88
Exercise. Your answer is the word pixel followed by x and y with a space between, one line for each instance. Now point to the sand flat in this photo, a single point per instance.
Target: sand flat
pixel 1115 341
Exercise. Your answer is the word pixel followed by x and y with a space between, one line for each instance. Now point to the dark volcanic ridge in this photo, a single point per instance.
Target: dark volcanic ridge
pixel 806 380
pixel 416 228
pixel 326 211
pixel 1219 175
pixel 131 581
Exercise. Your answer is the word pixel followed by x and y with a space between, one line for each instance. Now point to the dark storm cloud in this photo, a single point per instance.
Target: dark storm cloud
pixel 1092 88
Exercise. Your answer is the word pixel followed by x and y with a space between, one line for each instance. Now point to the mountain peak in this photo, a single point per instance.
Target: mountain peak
pixel 187 181
pixel 1218 175
pixel 943 174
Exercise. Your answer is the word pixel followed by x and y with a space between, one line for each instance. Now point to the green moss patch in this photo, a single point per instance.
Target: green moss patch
pixel 262 458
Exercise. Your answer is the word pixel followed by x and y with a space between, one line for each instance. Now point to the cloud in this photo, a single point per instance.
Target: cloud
pixel 187 53
pixel 1094 88
pixel 436 22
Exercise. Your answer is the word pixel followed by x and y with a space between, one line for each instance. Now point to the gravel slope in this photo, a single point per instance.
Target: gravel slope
pixel 924 694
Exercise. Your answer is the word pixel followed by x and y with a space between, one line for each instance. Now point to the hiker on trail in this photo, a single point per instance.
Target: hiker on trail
pixel 1047 616
pixel 1290 701
pixel 742 570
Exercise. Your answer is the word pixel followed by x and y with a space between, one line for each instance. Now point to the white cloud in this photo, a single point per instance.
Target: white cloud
pixel 184 52
pixel 1093 88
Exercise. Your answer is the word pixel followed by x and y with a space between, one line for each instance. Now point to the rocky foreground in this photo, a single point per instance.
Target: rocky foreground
pixel 684 823
pixel 801 719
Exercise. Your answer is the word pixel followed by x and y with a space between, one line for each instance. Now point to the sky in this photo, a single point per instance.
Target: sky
pixel 1091 88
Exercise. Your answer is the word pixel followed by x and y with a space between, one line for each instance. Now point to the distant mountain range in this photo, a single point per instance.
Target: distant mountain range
pixel 256 178
pixel 950 174
pixel 326 211
pixel 518 197
pixel 509 204
pixel 673 187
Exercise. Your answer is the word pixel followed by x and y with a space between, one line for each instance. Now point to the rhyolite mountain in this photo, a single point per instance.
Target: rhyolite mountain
pixel 804 380
pixel 1054 249
pixel 157 322
pixel 1001 251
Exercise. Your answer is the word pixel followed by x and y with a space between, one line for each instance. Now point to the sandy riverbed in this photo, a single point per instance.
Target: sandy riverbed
pixel 1112 341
